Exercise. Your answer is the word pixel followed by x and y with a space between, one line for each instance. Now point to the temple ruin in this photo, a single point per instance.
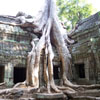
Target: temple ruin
pixel 15 43
pixel 86 51
pixel 14 48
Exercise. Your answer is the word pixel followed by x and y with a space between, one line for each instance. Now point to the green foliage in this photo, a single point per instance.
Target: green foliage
pixel 71 11
pixel 99 13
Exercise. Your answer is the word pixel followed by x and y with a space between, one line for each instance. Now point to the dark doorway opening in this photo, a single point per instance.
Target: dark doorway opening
pixel 56 71
pixel 1 73
pixel 80 70
pixel 19 74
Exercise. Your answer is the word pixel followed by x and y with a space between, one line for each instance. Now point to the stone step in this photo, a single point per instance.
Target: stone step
pixel 20 99
pixel 27 99
pixel 50 96
pixel 87 93
pixel 85 98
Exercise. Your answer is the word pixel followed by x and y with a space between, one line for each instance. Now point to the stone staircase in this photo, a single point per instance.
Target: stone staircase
pixel 90 94
pixel 85 95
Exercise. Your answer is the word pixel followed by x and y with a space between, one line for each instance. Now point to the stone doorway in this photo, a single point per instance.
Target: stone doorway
pixel 2 73
pixel 80 70
pixel 19 74
pixel 56 71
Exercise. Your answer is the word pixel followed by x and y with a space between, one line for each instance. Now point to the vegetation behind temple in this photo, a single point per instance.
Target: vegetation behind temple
pixel 72 11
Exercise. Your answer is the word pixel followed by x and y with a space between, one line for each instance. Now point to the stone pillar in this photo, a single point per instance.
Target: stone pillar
pixel 87 68
pixel 97 67
pixel 9 74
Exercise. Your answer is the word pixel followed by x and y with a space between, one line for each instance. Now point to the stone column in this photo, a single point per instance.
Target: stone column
pixel 97 67
pixel 9 74
pixel 87 68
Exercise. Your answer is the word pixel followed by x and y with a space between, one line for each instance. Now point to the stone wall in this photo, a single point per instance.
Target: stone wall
pixel 86 49
pixel 14 47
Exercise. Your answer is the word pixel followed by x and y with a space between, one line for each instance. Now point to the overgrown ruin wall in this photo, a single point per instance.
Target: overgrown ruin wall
pixel 86 51
pixel 14 47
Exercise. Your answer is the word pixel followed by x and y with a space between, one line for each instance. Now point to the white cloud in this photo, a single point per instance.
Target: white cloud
pixel 11 7
pixel 95 3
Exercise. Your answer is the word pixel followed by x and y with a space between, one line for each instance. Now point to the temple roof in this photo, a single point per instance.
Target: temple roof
pixel 89 22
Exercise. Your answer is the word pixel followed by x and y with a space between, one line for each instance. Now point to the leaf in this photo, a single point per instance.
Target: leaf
pixel 73 11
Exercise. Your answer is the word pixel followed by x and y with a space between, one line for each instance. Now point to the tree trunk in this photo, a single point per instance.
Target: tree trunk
pixel 48 23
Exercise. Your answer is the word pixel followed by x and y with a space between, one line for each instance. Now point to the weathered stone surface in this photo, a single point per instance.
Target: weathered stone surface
pixel 89 22
pixel 52 96
pixel 27 99
pixel 86 50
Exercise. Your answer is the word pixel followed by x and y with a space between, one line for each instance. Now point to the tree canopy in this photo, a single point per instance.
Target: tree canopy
pixel 71 11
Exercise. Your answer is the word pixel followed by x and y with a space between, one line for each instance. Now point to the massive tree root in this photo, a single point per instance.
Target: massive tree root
pixel 48 23
pixel 52 31
pixel 2 83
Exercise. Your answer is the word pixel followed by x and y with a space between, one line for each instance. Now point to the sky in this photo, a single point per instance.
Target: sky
pixel 95 3
pixel 11 7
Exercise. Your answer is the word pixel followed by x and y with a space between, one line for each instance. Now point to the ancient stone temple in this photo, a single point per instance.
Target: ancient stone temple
pixel 14 48
pixel 14 45
pixel 86 51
